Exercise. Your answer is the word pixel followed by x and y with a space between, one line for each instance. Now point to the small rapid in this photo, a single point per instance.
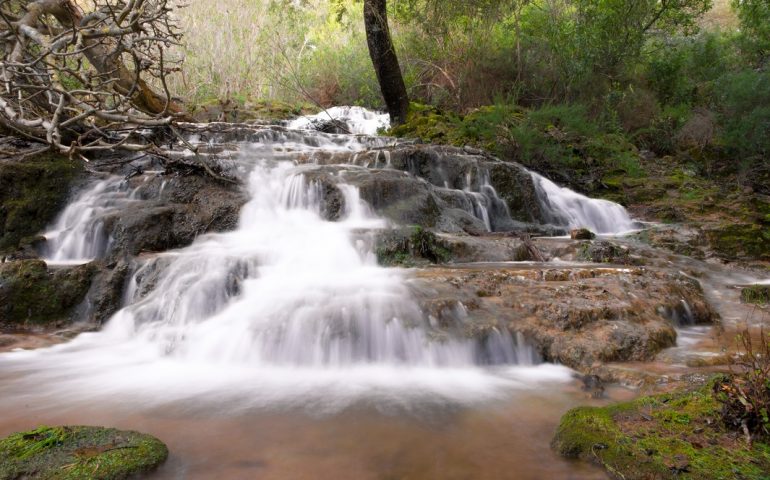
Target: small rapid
pixel 356 120
pixel 566 208
pixel 78 236
pixel 291 306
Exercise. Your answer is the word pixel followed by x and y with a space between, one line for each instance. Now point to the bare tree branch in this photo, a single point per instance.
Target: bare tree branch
pixel 72 76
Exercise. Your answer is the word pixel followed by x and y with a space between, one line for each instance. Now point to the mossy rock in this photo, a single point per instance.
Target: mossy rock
pixel 31 295
pixel 79 452
pixel 741 240
pixel 410 247
pixel 676 435
pixel 32 192
pixel 756 294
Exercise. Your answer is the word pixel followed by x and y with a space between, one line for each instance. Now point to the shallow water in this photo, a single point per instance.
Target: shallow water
pixel 504 438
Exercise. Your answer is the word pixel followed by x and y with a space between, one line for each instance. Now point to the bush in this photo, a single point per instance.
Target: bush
pixel 745 394
pixel 744 105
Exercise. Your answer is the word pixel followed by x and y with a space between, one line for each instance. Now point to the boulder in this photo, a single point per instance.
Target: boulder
pixel 581 234
pixel 79 452
pixel 32 192
pixel 32 296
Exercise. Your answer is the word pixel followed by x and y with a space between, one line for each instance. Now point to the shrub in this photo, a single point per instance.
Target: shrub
pixel 744 104
pixel 745 394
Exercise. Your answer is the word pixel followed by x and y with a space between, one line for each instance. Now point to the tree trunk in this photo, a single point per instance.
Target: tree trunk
pixel 142 96
pixel 385 60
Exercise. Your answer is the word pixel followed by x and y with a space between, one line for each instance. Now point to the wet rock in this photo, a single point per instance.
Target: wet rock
pixel 455 168
pixel 575 316
pixel 105 296
pixel 408 247
pixel 606 252
pixel 78 452
pixel 32 192
pixel 32 296
pixel 582 234
pixel 756 294
pixel 174 211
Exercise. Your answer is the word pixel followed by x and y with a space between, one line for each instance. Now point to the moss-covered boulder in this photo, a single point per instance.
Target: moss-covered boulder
pixel 411 246
pixel 756 294
pixel 676 435
pixel 31 295
pixel 32 192
pixel 75 453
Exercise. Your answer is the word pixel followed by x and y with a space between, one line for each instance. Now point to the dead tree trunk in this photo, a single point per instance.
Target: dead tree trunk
pixel 385 60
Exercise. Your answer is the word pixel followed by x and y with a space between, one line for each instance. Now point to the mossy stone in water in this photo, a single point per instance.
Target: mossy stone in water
pixel 756 294
pixel 79 453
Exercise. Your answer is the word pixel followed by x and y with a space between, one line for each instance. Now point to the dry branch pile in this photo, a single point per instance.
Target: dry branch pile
pixel 78 77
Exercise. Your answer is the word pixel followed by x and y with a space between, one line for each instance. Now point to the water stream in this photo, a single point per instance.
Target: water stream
pixel 290 312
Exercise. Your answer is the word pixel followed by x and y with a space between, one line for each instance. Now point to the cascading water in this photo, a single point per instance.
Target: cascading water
pixel 357 120
pixel 286 288
pixel 566 208
pixel 287 306
pixel 78 235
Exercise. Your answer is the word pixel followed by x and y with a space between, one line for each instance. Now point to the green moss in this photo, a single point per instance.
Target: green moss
pixel 667 436
pixel 30 294
pixel 737 240
pixel 410 249
pixel 757 294
pixel 75 453
pixel 32 192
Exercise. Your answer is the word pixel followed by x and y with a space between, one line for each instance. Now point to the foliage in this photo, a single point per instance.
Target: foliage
pixel 754 16
pixel 410 247
pixel 744 103
pixel 757 294
pixel 744 395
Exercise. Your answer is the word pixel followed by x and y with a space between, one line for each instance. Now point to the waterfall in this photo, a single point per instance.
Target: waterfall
pixel 566 208
pixel 78 235
pixel 289 288
pixel 357 120
pixel 286 288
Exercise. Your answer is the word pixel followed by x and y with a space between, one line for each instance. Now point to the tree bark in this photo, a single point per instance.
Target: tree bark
pixel 143 97
pixel 385 61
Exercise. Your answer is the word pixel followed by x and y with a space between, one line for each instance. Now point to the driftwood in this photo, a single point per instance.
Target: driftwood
pixel 534 252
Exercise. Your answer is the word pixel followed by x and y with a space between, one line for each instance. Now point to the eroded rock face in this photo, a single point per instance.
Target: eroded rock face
pixel 32 192
pixel 172 213
pixel 442 188
pixel 32 296
pixel 575 316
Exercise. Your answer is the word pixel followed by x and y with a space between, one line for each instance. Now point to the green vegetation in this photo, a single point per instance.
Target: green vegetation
pixel 758 294
pixel 676 435
pixel 745 394
pixel 79 453
pixel 32 192
pixel 407 248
